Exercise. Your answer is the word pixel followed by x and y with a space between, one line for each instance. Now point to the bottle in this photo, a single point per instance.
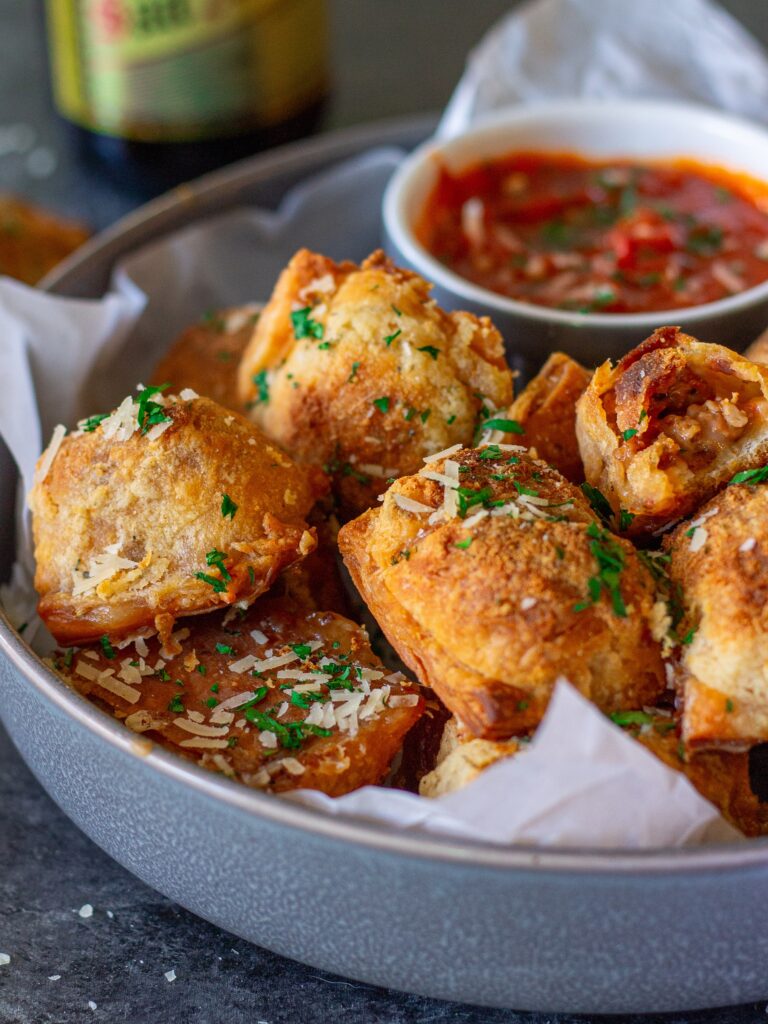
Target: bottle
pixel 160 91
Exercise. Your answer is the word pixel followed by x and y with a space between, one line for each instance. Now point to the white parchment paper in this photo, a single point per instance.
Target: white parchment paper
pixel 582 781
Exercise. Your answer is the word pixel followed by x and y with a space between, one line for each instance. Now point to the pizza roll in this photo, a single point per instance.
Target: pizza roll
pixel 276 697
pixel 33 241
pixel 758 350
pixel 461 758
pixel 546 410
pixel 666 428
pixel 205 357
pixel 491 579
pixel 719 561
pixel 356 369
pixel 166 507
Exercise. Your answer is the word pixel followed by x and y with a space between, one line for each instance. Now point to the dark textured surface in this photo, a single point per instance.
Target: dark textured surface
pixel 48 869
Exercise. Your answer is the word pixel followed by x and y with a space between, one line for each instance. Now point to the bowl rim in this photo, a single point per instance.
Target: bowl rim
pixel 743 855
pixel 401 234
pixel 155 218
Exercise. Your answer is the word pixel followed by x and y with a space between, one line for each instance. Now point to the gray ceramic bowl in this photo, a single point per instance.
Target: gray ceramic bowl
pixel 578 931
pixel 598 130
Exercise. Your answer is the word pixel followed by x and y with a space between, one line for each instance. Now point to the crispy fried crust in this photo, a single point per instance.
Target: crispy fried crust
pixel 721 565
pixel 180 702
pixel 546 409
pixel 461 759
pixel 156 502
pixel 381 378
pixel 668 426
pixel 33 242
pixel 491 613
pixel 206 356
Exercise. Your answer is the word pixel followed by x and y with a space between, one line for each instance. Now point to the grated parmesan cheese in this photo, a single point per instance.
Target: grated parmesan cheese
pixel 444 453
pixel 748 544
pixel 50 453
pixel 411 505
pixel 198 729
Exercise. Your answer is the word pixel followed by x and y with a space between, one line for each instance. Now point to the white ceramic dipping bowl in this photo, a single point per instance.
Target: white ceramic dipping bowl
pixel 639 131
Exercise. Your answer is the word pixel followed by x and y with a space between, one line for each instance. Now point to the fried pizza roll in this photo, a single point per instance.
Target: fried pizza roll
pixel 719 561
pixel 666 428
pixel 277 697
pixel 491 579
pixel 758 350
pixel 356 369
pixel 32 241
pixel 206 356
pixel 166 507
pixel 546 410
pixel 462 758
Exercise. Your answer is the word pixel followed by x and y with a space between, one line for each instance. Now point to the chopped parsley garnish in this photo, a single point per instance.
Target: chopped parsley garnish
pixel 430 350
pixel 216 559
pixel 522 489
pixel 251 575
pixel 69 656
pixel 468 498
pixel 162 675
pixel 597 500
pixel 463 544
pixel 508 426
pixel 228 507
pixel 257 698
pixel 303 651
pixel 382 404
pixel 729 705
pixel 492 451
pixel 176 705
pixel 389 338
pixel 262 387
pixel 704 240
pixel 151 413
pixel 409 413
pixel 424 416
pixel 218 585
pixel 225 649
pixel 631 718
pixel 750 476
pixel 625 519
pixel 353 372
pixel 93 421
pixel 450 419
pixel 404 554
pixel 303 324
pixel 629 434
pixel 396 311
pixel 213 320
pixel 610 559
pixel 211 702
pixel 522 705
pixel 688 638
pixel 106 646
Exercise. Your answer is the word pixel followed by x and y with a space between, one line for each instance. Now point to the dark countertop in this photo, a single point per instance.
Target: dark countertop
pixel 117 957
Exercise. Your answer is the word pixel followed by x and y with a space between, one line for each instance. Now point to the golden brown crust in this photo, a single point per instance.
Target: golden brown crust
pixel 381 377
pixel 720 561
pixel 156 503
pixel 490 614
pixel 206 356
pixel 546 409
pixel 668 426
pixel 181 701
pixel 461 759
pixel 32 241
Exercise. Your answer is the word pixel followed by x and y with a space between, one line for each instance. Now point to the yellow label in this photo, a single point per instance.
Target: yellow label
pixel 186 69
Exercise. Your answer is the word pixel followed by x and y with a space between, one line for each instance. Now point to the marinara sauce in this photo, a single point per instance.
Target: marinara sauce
pixel 559 231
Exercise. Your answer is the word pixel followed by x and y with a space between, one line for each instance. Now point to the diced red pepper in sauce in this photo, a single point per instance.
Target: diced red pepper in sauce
pixel 557 230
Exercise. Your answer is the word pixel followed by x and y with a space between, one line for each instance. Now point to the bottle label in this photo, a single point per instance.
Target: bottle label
pixel 178 70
